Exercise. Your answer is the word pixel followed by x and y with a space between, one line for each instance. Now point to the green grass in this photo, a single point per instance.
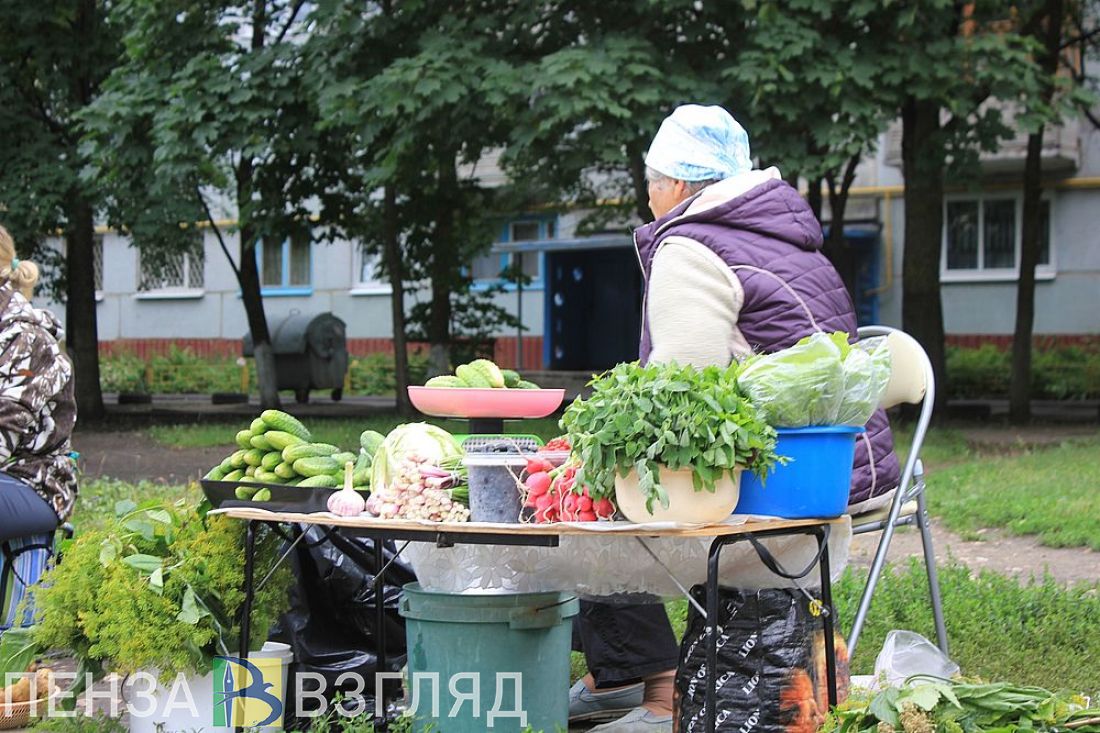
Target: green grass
pixel 336 431
pixel 96 500
pixel 1036 634
pixel 1051 493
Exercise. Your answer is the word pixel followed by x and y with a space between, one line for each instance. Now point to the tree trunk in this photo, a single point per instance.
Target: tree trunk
pixel 813 198
pixel 80 309
pixel 1019 396
pixel 248 276
pixel 836 245
pixel 391 257
pixel 637 178
pixel 921 308
pixel 443 267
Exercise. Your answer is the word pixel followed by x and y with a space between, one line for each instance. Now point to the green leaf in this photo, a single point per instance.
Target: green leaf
pixel 191 612
pixel 17 650
pixel 884 707
pixel 146 564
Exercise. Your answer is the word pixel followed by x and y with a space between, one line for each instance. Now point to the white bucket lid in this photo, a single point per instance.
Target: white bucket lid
pixel 494 459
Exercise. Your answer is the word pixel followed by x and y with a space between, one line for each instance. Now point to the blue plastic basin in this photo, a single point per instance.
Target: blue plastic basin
pixel 814 483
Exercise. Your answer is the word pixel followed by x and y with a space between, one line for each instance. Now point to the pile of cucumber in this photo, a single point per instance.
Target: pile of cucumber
pixel 278 449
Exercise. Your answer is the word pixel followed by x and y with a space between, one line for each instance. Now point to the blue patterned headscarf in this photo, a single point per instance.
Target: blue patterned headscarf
pixel 697 143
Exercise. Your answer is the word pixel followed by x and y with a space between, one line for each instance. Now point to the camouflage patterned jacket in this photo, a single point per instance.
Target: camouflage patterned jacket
pixel 37 407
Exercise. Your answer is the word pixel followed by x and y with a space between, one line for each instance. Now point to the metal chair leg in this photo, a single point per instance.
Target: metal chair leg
pixel 933 573
pixel 869 589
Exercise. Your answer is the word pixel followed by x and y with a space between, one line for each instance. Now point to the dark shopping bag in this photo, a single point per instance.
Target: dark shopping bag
pixel 771 664
pixel 331 625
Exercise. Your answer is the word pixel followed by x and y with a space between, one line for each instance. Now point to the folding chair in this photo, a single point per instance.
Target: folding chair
pixel 23 560
pixel 913 382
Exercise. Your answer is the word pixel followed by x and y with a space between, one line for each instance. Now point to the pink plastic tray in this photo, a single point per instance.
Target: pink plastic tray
pixel 472 402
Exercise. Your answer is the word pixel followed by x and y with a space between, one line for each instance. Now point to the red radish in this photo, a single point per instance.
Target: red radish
pixel 538 483
pixel 584 503
pixel 586 516
pixel 537 465
pixel 570 503
pixel 604 508
pixel 544 502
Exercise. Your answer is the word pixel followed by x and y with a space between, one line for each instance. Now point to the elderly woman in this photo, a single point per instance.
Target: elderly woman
pixel 732 266
pixel 37 412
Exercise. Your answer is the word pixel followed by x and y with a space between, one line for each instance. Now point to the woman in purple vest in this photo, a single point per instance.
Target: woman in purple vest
pixel 732 266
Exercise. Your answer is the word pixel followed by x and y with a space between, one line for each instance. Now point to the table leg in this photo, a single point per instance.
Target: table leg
pixel 827 603
pixel 711 678
pixel 249 590
pixel 382 723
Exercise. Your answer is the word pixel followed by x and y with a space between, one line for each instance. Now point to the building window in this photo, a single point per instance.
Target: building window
pixel 491 267
pixel 982 237
pixel 288 265
pixel 180 270
pixel 367 277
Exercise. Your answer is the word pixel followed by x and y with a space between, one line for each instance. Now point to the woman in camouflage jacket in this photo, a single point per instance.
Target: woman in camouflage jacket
pixel 37 408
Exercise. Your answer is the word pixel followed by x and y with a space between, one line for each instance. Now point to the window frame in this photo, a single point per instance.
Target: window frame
pixel 980 274
pixel 184 292
pixel 285 289
pixel 546 224
pixel 366 287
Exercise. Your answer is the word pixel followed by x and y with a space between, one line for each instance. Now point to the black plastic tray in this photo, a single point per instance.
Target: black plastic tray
pixel 303 499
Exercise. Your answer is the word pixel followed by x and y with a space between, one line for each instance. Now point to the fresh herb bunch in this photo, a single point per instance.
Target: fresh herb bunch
pixel 159 588
pixel 642 418
pixel 931 704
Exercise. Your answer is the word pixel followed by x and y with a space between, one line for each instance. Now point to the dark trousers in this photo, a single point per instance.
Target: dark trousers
pixel 22 511
pixel 624 643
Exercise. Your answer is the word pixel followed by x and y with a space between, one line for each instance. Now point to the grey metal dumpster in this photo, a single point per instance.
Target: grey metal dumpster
pixel 311 352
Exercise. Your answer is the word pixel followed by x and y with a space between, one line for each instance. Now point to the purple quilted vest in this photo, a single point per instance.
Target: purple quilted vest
pixel 771 240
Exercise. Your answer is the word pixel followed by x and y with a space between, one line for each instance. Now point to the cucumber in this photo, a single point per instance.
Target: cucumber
pixel 261 442
pixel 271 460
pixel 245 493
pixel 250 471
pixel 262 495
pixel 369 441
pixel 235 475
pixel 279 420
pixel 258 426
pixel 344 457
pixel 524 384
pixel 473 377
pixel 268 477
pixel 323 481
pixel 490 371
pixel 285 471
pixel 308 450
pixel 237 459
pixel 215 474
pixel 280 440
pixel 445 380
pixel 244 439
pixel 361 477
pixel 227 464
pixel 316 466
pixel 365 460
pixel 511 378
pixel 254 457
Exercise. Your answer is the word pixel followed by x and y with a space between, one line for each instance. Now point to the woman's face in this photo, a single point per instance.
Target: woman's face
pixel 665 194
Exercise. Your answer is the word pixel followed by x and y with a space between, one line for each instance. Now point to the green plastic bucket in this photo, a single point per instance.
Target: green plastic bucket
pixel 462 644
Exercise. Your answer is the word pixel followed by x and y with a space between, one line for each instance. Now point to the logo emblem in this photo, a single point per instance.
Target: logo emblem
pixel 247 693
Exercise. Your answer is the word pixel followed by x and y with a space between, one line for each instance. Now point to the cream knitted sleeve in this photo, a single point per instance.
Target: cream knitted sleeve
pixel 692 306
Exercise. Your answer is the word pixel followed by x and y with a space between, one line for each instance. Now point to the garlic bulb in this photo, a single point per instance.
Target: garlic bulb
pixel 347 502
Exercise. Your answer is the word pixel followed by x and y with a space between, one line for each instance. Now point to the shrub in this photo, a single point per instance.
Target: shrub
pixel 122 371
pixel 1058 374
pixel 373 374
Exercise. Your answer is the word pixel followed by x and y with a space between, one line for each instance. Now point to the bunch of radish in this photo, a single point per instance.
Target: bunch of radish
pixel 554 496
pixel 418 490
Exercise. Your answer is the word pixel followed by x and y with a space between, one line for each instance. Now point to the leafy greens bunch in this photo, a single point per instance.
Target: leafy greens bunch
pixel 934 705
pixel 665 415
pixel 159 588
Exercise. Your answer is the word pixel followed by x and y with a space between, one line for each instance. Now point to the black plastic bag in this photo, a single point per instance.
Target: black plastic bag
pixel 331 624
pixel 771 664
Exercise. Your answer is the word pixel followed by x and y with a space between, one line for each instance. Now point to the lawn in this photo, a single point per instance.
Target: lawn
pixel 1052 493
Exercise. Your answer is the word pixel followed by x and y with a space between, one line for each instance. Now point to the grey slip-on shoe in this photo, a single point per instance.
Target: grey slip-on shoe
pixel 585 704
pixel 638 720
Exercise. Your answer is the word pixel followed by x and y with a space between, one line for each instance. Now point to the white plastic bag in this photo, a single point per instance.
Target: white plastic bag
pixel 906 653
